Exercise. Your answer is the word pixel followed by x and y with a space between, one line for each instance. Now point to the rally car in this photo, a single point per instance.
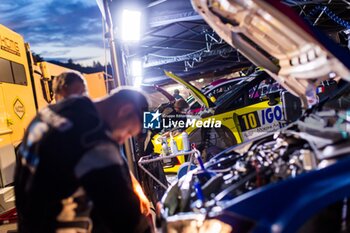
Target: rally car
pixel 240 114
pixel 294 180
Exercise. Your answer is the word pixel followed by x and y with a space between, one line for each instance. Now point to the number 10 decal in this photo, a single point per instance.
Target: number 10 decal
pixel 250 121
pixel 257 119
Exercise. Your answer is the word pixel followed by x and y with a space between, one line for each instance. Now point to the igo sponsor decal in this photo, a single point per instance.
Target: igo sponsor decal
pixel 271 114
pixel 258 122
pixel 154 120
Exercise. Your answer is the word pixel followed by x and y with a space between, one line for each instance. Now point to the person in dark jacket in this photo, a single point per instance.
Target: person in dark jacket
pixel 71 161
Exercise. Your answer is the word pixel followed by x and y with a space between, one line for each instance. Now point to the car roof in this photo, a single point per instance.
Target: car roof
pixel 212 86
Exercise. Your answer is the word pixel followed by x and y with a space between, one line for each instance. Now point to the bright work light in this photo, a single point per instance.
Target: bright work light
pixel 131 25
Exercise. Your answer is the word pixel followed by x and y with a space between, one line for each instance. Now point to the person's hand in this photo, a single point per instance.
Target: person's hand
pixel 145 205
pixel 68 210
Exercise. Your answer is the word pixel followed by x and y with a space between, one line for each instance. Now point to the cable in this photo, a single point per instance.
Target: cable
pixel 302 3
pixel 105 52
pixel 331 15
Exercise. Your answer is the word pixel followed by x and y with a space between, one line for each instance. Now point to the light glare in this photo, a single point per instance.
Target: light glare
pixel 131 25
pixel 138 81
pixel 136 68
pixel 136 72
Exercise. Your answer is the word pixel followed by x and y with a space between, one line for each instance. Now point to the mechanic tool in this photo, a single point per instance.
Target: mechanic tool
pixel 197 154
pixel 199 192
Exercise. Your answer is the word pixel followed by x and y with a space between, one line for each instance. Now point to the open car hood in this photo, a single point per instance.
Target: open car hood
pixel 273 36
pixel 196 93
pixel 159 89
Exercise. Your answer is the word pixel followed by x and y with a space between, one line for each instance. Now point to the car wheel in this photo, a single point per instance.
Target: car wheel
pixel 215 140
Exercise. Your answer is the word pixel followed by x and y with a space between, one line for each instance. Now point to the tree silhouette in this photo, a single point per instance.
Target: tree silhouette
pixel 37 58
pixel 96 65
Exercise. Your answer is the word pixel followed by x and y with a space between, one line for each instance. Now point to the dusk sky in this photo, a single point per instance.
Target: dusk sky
pixel 57 29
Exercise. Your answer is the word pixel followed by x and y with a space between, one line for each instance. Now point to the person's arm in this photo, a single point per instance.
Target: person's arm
pixel 106 180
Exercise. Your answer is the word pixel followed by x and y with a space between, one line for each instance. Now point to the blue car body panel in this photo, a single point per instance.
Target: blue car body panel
pixel 285 206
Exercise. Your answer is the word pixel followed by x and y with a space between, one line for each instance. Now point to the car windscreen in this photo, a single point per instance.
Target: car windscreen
pixel 231 92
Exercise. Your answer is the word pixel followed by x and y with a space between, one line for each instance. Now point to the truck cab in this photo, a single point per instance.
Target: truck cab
pixel 17 100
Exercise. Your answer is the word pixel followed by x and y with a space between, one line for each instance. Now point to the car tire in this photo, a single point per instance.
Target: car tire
pixel 223 139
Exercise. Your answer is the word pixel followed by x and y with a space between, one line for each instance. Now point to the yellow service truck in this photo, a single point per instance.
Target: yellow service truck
pixel 44 73
pixel 25 88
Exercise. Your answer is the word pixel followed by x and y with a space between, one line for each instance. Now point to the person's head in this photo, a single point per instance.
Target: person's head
pixel 180 105
pixel 123 112
pixel 67 84
pixel 176 92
